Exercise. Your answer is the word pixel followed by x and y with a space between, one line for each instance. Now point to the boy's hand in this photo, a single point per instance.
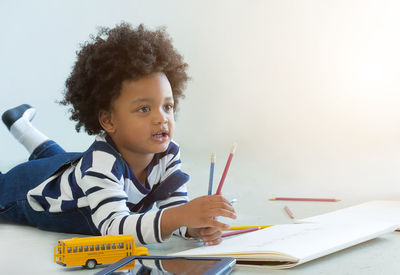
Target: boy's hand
pixel 201 212
pixel 199 216
pixel 210 235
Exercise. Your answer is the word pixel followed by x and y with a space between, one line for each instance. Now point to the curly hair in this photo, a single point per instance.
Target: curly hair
pixel 113 56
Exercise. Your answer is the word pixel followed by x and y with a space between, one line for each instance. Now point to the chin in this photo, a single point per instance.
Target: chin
pixel 159 148
pixel 164 147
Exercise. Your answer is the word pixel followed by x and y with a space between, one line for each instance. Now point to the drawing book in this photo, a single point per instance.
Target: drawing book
pixel 288 245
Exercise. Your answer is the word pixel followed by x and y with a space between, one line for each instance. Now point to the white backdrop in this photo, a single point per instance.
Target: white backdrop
pixel 309 89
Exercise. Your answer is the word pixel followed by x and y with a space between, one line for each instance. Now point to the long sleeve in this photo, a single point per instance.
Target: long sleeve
pixel 105 185
pixel 118 202
pixel 104 190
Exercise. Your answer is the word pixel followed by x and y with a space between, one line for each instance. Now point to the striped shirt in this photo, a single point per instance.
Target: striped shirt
pixel 119 203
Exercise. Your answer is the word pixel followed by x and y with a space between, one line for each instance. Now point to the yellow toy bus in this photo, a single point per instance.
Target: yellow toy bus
pixel 91 251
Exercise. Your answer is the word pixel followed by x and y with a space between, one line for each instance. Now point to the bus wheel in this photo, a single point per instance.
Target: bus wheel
pixel 91 264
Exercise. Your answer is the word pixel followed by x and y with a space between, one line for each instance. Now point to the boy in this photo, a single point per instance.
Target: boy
pixel 124 88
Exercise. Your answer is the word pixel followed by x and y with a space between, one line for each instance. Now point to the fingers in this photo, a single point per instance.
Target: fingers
pixel 210 235
pixel 219 202
pixel 202 211
pixel 217 224
pixel 219 212
pixel 218 198
pixel 222 205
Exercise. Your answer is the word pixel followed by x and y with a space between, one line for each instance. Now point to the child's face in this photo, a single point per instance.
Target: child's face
pixel 142 117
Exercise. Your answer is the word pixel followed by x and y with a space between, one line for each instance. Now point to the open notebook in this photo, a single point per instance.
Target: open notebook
pixel 288 245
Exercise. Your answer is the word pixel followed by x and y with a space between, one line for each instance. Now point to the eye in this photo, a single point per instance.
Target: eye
pixel 169 107
pixel 144 109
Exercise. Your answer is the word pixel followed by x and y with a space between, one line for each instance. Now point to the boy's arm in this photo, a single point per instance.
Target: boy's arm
pixel 109 212
pixel 176 198
pixel 111 215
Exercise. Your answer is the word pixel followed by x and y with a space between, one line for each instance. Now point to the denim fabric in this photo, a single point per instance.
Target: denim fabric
pixel 46 160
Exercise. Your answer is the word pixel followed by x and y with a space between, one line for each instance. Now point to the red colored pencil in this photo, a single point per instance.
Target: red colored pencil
pixel 302 199
pixel 236 232
pixel 226 169
pixel 289 212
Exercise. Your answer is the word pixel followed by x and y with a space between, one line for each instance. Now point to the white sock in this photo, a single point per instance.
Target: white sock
pixel 27 134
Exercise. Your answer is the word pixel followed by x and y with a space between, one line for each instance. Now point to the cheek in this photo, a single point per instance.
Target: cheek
pixel 135 127
pixel 171 124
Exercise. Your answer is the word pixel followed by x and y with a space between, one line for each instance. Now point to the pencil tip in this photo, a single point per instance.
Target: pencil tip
pixel 233 147
pixel 213 157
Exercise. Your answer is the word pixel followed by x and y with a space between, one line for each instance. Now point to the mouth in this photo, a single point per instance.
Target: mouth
pixel 160 134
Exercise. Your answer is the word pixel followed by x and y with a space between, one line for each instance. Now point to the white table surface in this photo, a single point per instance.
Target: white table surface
pixel 27 250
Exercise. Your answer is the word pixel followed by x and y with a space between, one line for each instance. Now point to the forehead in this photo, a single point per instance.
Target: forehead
pixel 155 85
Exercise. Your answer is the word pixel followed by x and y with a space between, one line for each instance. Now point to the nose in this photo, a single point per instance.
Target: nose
pixel 160 117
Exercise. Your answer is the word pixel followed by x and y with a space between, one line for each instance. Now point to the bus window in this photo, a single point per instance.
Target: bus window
pixel 102 247
pixel 121 245
pixel 91 247
pixel 108 246
pixel 97 247
pixel 75 249
pixel 113 246
pixel 80 249
pixel 86 248
pixel 69 249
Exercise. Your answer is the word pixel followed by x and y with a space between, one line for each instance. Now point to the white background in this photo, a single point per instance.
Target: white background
pixel 308 89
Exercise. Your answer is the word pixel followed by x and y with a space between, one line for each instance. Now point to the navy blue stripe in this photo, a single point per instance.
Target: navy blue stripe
pixel 172 149
pixel 158 265
pixel 97 175
pixel 117 169
pixel 87 161
pixel 173 203
pixel 93 189
pixel 146 183
pixel 148 172
pixel 173 164
pixel 156 222
pixel 130 205
pixel 121 225
pixel 109 147
pixel 130 175
pixel 178 194
pixel 139 230
pixel 42 201
pixel 109 226
pixel 111 142
pixel 68 205
pixel 52 189
pixel 107 201
pixel 77 191
pixel 103 221
pixel 106 147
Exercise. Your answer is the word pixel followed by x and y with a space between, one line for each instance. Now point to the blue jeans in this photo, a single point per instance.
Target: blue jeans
pixel 46 160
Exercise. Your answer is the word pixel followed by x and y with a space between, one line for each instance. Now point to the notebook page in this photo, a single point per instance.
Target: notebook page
pixel 294 242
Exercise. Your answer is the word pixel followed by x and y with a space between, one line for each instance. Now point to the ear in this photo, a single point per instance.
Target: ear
pixel 106 121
